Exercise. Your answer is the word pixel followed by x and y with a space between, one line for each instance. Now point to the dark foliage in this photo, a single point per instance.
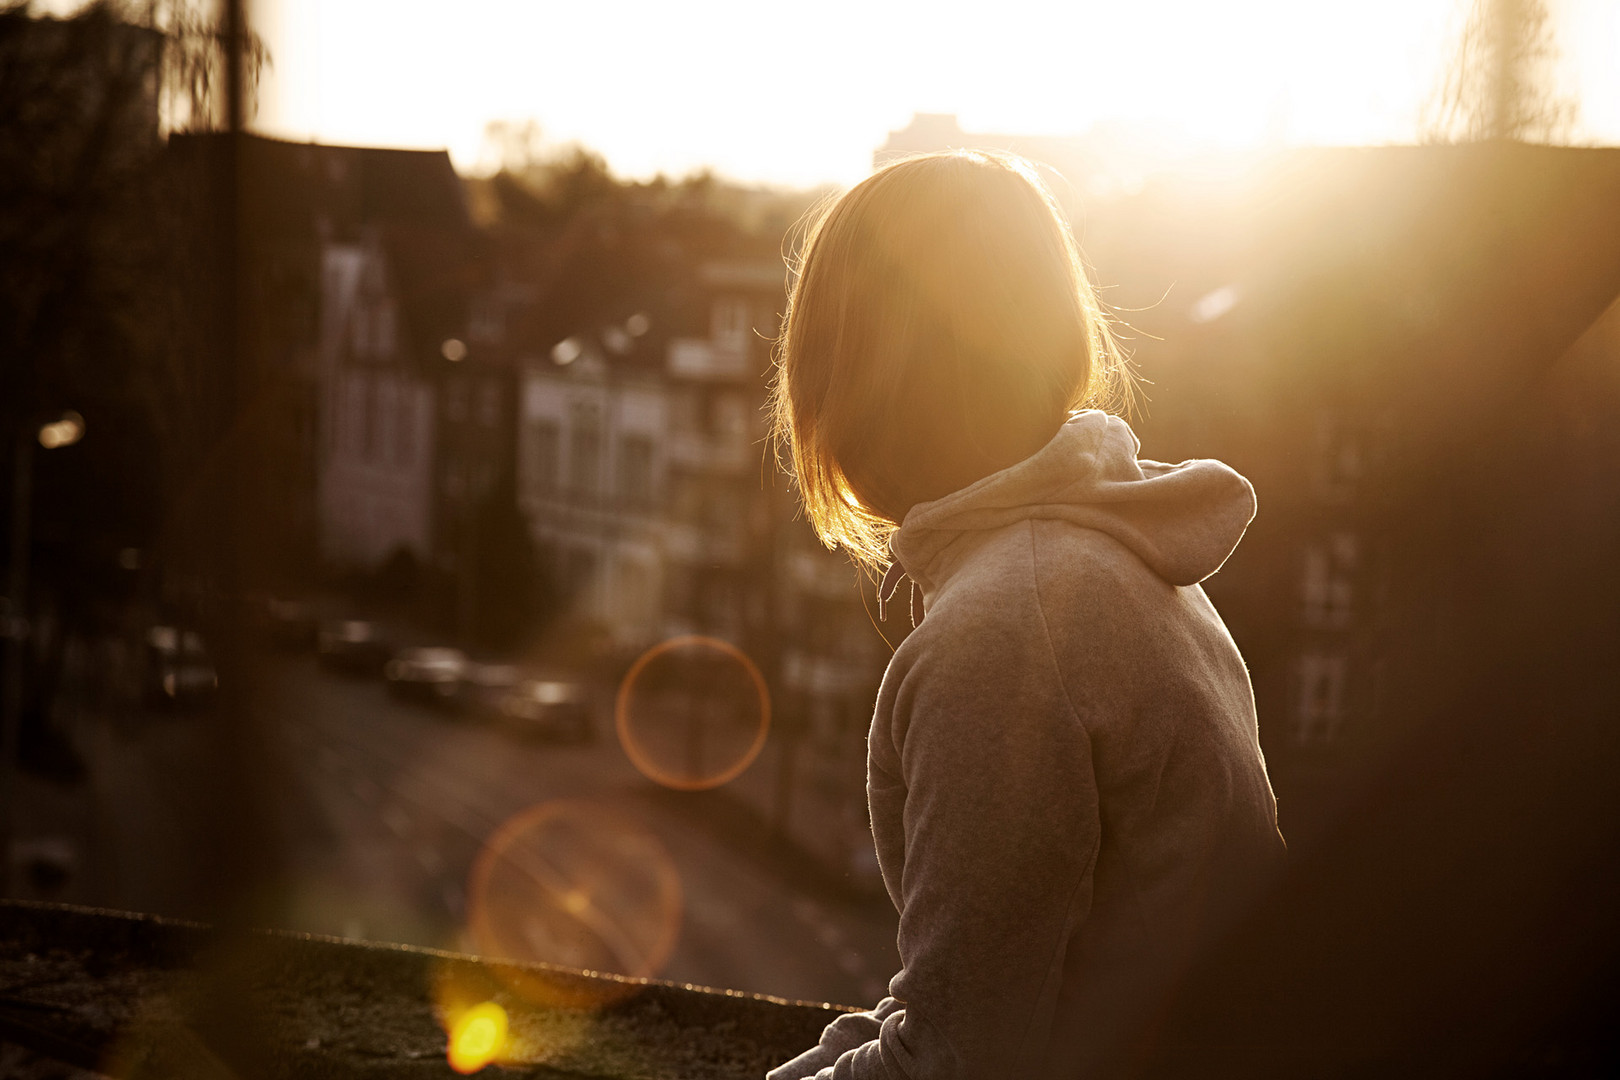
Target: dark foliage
pixel 513 594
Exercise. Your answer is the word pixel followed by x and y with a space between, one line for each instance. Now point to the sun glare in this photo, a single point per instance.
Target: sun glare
pixel 672 89
pixel 477 1037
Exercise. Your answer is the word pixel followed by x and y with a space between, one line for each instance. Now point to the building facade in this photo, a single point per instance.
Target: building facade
pixel 592 482
pixel 375 483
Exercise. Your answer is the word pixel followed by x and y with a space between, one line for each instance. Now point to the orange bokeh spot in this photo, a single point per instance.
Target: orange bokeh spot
pixel 477 1037
pixel 693 712
pixel 574 884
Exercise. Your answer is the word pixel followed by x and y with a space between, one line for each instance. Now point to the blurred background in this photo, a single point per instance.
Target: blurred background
pixel 395 552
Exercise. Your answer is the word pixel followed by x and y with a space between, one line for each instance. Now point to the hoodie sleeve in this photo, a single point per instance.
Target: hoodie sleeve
pixel 1001 833
pixel 842 1035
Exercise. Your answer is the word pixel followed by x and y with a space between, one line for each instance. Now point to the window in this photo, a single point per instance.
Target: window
pixel 360 327
pixel 355 418
pixel 731 322
pixel 680 590
pixel 405 427
pixel 544 442
pixel 585 456
pixel 455 478
pixel 684 410
pixel 1349 450
pixel 489 403
pixel 825 625
pixel 386 328
pixel 685 498
pixel 1339 457
pixel 373 409
pixel 578 570
pixel 1320 707
pixel 723 509
pixel 387 422
pixel 728 417
pixel 487 321
pixel 635 470
pixel 635 600
pixel 1327 587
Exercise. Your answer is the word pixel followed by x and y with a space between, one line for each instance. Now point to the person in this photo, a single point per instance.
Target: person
pixel 1067 792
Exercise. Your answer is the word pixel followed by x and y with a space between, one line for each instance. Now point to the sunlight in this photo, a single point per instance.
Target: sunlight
pixel 656 89
pixel 576 884
pixel 477 1037
pixel 673 90
pixel 692 713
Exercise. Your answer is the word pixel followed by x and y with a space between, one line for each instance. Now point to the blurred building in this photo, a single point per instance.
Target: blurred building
pixel 591 476
pixel 475 495
pixel 721 524
pixel 1405 349
pixel 375 351
pixel 375 463
pixel 641 467
pixel 646 476
pixel 397 253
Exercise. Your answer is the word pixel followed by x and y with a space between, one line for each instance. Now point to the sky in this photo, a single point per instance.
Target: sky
pixel 801 94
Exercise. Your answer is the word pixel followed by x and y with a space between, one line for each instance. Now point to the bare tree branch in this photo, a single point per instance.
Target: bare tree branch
pixel 1501 80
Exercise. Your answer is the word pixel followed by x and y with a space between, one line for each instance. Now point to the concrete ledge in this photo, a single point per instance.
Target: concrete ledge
pixel 143 996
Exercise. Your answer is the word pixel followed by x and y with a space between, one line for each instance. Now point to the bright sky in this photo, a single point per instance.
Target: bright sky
pixel 803 93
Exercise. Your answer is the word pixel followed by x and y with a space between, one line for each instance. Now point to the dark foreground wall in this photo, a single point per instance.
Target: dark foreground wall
pixel 134 995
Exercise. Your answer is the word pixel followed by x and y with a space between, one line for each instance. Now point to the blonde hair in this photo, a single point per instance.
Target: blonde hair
pixel 940 328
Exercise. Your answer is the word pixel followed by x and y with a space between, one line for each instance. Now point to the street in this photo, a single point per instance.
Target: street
pixel 384 807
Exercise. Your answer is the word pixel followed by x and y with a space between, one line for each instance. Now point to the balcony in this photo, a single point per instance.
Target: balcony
pixel 138 995
pixel 702 358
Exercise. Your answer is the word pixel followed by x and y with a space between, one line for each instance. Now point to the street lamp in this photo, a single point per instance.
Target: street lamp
pixel 65 430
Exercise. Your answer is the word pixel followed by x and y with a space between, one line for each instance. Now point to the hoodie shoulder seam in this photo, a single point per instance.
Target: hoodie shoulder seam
pixel 1046 628
pixel 1057 672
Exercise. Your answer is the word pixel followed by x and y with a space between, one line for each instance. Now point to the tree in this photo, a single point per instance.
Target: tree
pixel 93 263
pixel 93 237
pixel 1500 82
pixel 513 592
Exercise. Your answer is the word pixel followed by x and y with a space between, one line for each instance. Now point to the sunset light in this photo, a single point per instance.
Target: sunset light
pixel 733 540
pixel 477 1037
pixel 761 92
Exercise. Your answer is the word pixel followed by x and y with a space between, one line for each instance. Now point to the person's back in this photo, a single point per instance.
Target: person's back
pixel 1066 785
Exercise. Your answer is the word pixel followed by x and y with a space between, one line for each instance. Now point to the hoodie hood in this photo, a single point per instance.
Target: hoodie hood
pixel 1181 520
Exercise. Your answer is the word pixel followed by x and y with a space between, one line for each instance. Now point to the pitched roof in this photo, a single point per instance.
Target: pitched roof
pixel 412 200
pixel 1429 261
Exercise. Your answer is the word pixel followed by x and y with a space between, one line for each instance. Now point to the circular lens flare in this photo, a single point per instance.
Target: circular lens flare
pixel 477 1037
pixel 693 712
pixel 576 885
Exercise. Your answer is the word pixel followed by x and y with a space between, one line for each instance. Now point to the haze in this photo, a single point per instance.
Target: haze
pixel 796 95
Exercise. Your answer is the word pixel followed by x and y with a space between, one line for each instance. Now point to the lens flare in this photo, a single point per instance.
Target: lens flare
pixel 574 884
pixel 693 713
pixel 477 1037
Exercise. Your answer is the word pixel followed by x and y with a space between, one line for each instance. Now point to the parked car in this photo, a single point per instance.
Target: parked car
pixel 178 670
pixel 484 685
pixel 356 646
pixel 542 707
pixel 427 673
pixel 289 624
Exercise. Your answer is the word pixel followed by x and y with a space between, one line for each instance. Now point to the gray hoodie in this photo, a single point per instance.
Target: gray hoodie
pixel 1064 770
